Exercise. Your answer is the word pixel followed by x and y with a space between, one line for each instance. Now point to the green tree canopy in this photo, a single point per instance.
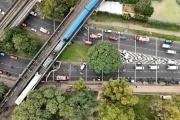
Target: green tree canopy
pixel 117 101
pixel 3 90
pixel 80 85
pixel 165 109
pixel 56 8
pixel 148 11
pixel 103 57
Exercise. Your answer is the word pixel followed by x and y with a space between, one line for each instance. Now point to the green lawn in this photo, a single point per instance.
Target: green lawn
pixel 167 10
pixel 75 52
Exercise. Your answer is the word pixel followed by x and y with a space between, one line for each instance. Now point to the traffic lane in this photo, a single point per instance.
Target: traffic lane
pixel 169 56
pixel 143 48
pixel 4 5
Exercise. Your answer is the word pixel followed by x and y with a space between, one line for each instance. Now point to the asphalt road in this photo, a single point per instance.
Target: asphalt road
pixel 4 5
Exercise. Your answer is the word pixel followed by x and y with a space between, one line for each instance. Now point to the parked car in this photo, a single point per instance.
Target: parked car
pixel 13 57
pixel 2 53
pixel 33 13
pixel 89 42
pixel 113 38
pixel 169 41
pixel 108 31
pixel 34 30
pixel 24 25
pixel 1 72
pixel 122 37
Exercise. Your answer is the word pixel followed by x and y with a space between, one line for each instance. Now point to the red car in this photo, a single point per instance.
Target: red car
pixel 113 38
pixel 1 72
pixel 13 57
pixel 24 25
pixel 89 42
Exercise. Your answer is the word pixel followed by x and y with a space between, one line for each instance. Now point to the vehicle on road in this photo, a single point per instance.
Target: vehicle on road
pixel 123 37
pixel 44 30
pixel 107 31
pixel 24 25
pixel 171 51
pixel 119 33
pixel 82 66
pixel 142 38
pixel 90 42
pixel 2 53
pixel 139 67
pixel 96 35
pixel 172 67
pixel 13 57
pixel 169 41
pixel 34 30
pixel 153 67
pixel 165 46
pixel 171 62
pixel 1 72
pixel 113 38
pixel 62 77
pixel 33 13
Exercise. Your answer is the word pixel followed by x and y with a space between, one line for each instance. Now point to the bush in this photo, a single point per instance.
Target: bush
pixel 178 1
pixel 141 18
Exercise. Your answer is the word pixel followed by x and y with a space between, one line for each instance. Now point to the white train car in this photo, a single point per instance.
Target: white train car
pixel 27 89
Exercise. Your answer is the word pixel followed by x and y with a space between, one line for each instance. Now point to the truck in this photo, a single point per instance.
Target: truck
pixel 48 60
pixel 44 30
pixel 142 38
pixel 62 77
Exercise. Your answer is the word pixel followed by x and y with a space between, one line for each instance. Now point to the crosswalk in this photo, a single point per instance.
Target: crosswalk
pixel 144 59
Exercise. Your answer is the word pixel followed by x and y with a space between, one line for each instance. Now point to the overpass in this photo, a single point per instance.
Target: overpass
pixel 16 13
pixel 37 63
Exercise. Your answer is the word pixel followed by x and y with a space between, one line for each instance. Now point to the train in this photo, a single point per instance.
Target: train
pixel 63 40
pixel 70 31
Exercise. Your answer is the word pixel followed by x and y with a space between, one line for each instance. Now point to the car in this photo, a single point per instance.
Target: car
pixel 82 66
pixel 122 37
pixel 142 38
pixel 2 53
pixel 1 72
pixel 24 25
pixel 2 12
pixel 165 46
pixel 34 30
pixel 113 38
pixel 119 33
pixel 13 57
pixel 33 13
pixel 96 35
pixel 89 42
pixel 169 41
pixel 108 31
pixel 171 51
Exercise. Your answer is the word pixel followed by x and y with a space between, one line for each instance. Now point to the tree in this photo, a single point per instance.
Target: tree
pixel 103 57
pixel 148 11
pixel 56 8
pixel 165 110
pixel 3 90
pixel 80 85
pixel 117 101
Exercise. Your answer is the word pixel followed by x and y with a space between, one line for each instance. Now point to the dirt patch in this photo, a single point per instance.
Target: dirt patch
pixel 128 8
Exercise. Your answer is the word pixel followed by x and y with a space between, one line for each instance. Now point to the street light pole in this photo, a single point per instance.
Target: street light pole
pixel 102 34
pixel 88 33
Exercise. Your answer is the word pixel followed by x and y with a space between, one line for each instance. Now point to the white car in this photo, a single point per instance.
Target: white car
pixel 34 30
pixel 108 31
pixel 82 66
pixel 165 46
pixel 33 13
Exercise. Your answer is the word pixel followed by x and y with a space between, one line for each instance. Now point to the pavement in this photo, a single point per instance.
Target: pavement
pixel 136 27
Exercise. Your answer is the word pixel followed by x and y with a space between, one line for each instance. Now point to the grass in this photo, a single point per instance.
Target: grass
pixel 75 52
pixel 138 32
pixel 167 10
pixel 115 18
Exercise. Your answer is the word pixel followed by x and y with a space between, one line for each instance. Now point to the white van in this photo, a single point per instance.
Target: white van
pixel 82 66
pixel 171 62
pixel 139 67
pixel 153 67
pixel 172 67
pixel 171 51
pixel 165 97
pixel 107 31
pixel 165 46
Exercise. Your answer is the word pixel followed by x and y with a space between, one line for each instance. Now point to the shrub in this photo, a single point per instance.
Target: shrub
pixel 141 18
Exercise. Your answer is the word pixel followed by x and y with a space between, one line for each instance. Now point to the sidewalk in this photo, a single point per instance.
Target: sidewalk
pixel 136 27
